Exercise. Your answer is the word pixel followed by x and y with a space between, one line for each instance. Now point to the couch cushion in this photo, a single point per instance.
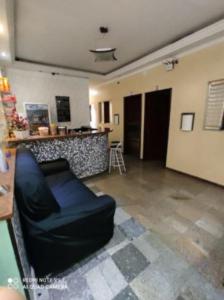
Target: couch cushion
pixel 54 166
pixel 68 190
pixel 32 192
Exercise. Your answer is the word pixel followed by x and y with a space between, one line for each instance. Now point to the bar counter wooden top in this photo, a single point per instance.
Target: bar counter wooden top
pixel 7 179
pixel 49 137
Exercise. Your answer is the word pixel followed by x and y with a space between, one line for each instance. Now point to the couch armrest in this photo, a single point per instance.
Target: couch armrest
pixel 54 166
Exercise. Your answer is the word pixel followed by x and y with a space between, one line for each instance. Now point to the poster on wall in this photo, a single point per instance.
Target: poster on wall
pixel 187 121
pixel 63 109
pixel 116 119
pixel 37 115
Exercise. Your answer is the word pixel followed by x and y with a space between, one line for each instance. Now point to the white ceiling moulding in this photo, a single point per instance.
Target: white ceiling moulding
pixel 154 65
pixel 54 70
pixel 203 38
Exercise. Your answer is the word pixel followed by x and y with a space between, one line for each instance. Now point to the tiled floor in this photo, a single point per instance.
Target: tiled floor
pixel 134 265
pixel 187 214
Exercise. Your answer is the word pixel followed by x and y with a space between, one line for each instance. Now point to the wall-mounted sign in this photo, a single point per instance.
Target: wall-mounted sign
pixel 187 121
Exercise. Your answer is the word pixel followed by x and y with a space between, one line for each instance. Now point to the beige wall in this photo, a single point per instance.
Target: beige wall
pixel 199 153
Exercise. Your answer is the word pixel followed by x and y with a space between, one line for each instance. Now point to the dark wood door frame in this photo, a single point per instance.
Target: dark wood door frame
pixel 138 119
pixel 159 130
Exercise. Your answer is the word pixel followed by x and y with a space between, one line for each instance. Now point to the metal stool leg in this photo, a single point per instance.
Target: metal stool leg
pixel 116 159
pixel 113 158
pixel 122 159
pixel 118 162
pixel 110 161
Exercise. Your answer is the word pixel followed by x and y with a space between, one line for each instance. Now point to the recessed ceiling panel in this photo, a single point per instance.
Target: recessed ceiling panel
pixel 61 33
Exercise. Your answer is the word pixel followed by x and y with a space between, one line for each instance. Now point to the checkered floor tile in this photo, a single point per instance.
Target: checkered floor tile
pixel 134 265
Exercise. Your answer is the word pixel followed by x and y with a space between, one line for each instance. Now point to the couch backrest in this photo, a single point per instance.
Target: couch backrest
pixel 32 193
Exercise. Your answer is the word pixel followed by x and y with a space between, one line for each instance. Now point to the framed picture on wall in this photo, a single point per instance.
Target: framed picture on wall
pixel 63 108
pixel 187 121
pixel 37 115
pixel 214 114
pixel 116 119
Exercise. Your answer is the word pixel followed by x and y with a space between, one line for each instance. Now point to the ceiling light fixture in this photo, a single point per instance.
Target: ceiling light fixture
pixel 3 54
pixel 104 53
pixel 1 28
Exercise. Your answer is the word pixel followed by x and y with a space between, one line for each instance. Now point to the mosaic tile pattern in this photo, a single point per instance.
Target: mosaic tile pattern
pixel 87 156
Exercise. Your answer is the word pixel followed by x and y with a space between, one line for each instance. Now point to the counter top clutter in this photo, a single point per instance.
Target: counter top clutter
pixel 56 136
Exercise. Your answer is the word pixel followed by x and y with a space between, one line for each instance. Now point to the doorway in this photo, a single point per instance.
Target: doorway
pixel 132 124
pixel 156 127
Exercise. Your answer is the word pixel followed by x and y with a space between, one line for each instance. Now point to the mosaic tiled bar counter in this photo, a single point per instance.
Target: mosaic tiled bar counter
pixel 87 153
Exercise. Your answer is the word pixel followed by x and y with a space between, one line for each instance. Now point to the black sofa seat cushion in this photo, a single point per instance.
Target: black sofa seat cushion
pixel 68 190
pixel 31 189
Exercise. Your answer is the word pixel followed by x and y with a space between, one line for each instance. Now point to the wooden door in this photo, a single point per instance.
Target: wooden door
pixel 132 124
pixel 156 127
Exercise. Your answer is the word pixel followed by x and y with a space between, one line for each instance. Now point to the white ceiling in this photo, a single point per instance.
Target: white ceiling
pixel 60 33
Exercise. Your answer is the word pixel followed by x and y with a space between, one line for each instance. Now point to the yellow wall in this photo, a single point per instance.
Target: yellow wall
pixel 201 152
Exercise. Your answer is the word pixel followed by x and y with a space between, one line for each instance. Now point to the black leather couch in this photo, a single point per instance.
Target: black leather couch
pixel 62 220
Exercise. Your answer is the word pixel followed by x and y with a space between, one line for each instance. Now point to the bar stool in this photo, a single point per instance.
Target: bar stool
pixel 116 157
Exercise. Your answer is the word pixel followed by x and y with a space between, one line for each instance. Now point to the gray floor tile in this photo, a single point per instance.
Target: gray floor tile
pixel 121 216
pixel 105 280
pixel 153 285
pixel 117 238
pixel 214 228
pixel 42 294
pixel 130 261
pixel 132 228
pixel 77 290
pixel 198 288
pixel 163 279
pixel 113 250
pixel 143 243
pixel 126 294
pixel 156 244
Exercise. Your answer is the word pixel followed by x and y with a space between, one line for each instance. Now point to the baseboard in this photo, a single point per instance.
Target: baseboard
pixel 195 177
